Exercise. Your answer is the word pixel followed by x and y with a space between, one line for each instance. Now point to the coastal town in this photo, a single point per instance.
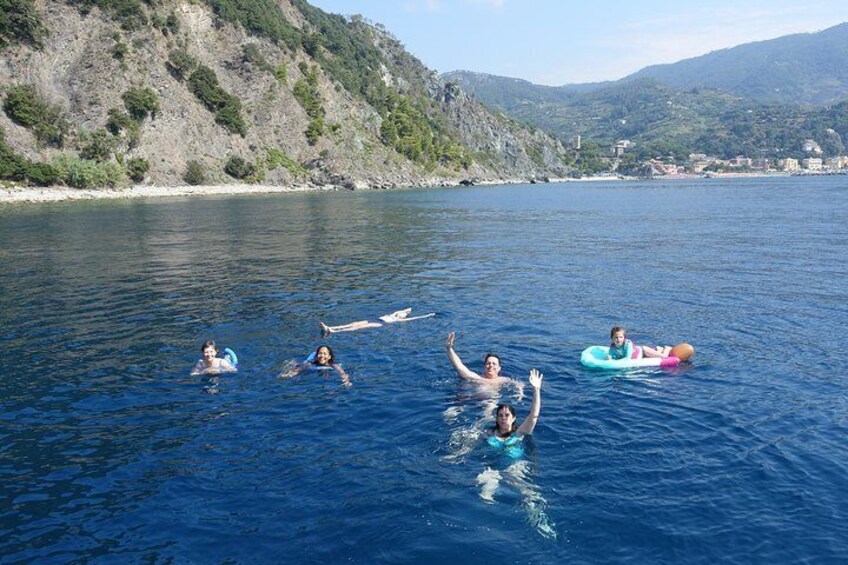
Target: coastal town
pixel 707 165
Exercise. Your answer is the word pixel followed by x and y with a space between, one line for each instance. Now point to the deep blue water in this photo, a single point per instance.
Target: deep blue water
pixel 111 453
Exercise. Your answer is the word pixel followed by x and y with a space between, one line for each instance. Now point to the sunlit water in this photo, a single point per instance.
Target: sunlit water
pixel 110 452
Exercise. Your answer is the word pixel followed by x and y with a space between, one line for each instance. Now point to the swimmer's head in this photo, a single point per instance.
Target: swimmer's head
pixel 491 365
pixel 618 335
pixel 505 419
pixel 209 350
pixel 323 355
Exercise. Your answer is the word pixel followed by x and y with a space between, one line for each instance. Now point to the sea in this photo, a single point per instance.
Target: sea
pixel 111 452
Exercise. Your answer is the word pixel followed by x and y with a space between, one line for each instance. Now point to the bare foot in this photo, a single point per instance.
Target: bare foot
pixel 325 329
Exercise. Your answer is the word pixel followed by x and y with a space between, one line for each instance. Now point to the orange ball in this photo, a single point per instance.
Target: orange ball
pixel 682 351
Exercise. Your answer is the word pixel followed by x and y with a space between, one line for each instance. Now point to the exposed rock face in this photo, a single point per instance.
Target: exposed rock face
pixel 79 69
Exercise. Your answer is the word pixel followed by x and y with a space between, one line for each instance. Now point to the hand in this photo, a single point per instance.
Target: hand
pixel 451 340
pixel 535 379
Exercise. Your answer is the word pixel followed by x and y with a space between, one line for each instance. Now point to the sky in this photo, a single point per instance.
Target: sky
pixel 556 42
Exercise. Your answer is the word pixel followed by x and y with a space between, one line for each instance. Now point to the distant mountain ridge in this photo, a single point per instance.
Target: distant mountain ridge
pixel 722 103
pixel 803 68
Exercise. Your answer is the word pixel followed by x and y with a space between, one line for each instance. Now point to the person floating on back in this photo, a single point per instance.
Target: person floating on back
pixel 394 317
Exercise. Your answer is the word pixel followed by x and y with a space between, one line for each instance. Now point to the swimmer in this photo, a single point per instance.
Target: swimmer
pixel 323 358
pixel 211 363
pixel 508 439
pixel 623 348
pixel 491 369
pixel 394 317
pixel 504 432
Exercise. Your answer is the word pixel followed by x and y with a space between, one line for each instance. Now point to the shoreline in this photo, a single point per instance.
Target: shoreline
pixel 40 195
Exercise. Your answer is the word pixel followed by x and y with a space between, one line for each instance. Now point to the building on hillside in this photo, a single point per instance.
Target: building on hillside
pixel 836 163
pixel 761 164
pixel 810 146
pixel 788 164
pixel 812 164
pixel 739 162
pixel 619 147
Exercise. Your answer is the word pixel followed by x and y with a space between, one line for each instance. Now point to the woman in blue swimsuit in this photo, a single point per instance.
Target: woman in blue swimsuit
pixel 508 439
pixel 504 434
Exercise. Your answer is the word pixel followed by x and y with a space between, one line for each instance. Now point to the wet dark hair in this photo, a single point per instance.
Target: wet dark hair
pixel 486 357
pixel 617 329
pixel 327 347
pixel 208 343
pixel 509 407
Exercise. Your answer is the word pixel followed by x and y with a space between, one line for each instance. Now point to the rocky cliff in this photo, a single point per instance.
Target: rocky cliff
pixel 317 99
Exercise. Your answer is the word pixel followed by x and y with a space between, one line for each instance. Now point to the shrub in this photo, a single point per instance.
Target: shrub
pixel 97 146
pixel 227 108
pixel 137 168
pixel 282 73
pixel 230 117
pixel 238 168
pixel 26 107
pixel 195 173
pixel 84 173
pixel 119 121
pixel 120 50
pixel 12 166
pixel 277 158
pixel 140 102
pixel 306 93
pixel 172 23
pixel 259 17
pixel 20 22
pixel 42 174
pixel 181 64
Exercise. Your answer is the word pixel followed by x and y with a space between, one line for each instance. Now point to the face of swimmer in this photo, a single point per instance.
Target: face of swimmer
pixel 505 418
pixel 491 366
pixel 323 356
pixel 618 338
pixel 209 352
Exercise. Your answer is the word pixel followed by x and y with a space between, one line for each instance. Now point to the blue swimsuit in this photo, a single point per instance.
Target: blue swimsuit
pixel 623 352
pixel 511 446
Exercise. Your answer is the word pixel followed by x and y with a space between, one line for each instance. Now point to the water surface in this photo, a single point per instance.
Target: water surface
pixel 111 452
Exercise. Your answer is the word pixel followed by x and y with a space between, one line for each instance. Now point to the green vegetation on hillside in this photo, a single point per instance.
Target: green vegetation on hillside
pixel 20 22
pixel 662 122
pixel 129 13
pixel 27 107
pixel 406 129
pixel 203 83
pixel 259 17
pixel 306 93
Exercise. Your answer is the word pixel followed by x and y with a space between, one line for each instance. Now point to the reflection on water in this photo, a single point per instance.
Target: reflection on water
pixel 111 452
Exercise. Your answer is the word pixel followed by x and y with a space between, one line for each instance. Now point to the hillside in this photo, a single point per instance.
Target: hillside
pixel 804 68
pixel 661 119
pixel 260 90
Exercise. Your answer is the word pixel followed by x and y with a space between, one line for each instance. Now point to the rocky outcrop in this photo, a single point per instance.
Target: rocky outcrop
pixel 88 61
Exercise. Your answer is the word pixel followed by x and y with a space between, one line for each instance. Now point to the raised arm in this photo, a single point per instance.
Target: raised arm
pixel 529 424
pixel 457 363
